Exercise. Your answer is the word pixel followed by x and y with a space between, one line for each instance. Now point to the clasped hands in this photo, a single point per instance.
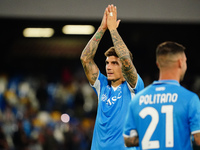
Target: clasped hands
pixel 110 18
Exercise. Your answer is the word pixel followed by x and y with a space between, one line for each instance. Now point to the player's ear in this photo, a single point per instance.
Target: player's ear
pixel 157 64
pixel 180 63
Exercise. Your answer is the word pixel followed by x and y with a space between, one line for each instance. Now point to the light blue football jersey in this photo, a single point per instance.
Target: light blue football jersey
pixel 111 113
pixel 164 115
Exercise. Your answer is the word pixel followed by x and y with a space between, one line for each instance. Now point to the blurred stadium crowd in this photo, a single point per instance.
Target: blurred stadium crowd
pixel 31 108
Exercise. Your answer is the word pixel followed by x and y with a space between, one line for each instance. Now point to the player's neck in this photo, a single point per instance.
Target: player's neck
pixel 169 76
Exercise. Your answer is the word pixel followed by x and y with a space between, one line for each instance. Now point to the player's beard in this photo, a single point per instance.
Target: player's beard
pixel 113 80
pixel 182 76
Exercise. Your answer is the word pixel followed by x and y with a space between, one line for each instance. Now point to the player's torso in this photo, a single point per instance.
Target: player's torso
pixel 163 113
pixel 112 108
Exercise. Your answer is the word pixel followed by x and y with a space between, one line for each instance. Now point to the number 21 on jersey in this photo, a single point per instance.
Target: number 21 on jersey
pixel 169 134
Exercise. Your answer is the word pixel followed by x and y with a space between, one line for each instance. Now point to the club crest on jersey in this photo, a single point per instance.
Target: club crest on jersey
pixel 104 97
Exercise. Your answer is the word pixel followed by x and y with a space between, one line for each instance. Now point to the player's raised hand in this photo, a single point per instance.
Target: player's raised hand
pixel 112 22
pixel 104 21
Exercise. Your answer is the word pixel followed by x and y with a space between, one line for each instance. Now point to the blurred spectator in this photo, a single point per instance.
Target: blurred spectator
pixel 20 139
pixel 3 140
pixel 50 142
pixel 42 94
pixel 3 85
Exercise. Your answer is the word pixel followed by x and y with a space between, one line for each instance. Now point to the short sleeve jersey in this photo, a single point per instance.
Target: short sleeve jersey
pixel 111 112
pixel 164 115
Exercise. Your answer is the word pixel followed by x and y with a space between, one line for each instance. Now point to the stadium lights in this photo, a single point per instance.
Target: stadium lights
pixel 78 29
pixel 38 32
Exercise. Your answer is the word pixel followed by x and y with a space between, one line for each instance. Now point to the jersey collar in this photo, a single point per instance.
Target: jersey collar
pixel 167 82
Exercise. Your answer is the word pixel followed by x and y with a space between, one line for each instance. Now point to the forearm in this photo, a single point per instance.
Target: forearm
pixel 90 50
pixel 197 138
pixel 122 51
pixel 131 141
pixel 87 56
pixel 120 47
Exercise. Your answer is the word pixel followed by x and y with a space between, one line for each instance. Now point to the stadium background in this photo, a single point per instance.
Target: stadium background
pixel 42 78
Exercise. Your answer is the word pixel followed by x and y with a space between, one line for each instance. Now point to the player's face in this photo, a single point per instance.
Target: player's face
pixel 184 67
pixel 113 68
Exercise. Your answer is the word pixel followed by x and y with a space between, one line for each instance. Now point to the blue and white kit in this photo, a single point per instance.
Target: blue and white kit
pixel 111 113
pixel 164 115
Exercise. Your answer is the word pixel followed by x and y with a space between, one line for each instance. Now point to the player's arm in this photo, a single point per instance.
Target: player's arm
pixel 130 132
pixel 87 56
pixel 197 138
pixel 131 141
pixel 129 70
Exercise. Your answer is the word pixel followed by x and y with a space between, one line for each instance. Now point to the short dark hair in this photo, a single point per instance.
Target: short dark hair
pixel 111 52
pixel 169 47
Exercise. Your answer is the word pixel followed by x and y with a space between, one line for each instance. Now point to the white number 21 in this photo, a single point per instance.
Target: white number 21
pixel 169 134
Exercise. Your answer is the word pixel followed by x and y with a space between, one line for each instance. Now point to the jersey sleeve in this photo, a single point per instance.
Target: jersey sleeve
pixel 129 127
pixel 194 114
pixel 101 80
pixel 139 86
